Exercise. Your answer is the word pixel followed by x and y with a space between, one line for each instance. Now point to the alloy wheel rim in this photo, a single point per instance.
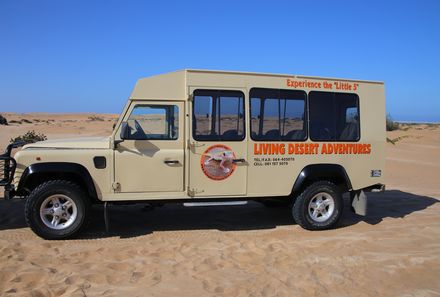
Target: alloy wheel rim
pixel 321 207
pixel 58 212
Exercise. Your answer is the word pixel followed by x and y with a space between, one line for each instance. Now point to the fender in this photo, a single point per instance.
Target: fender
pixel 322 171
pixel 58 168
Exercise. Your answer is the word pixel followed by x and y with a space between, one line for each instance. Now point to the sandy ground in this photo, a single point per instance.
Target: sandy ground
pixel 56 125
pixel 236 251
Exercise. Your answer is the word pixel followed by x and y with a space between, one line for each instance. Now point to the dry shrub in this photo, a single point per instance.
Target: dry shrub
pixel 391 124
pixel 29 137
pixel 96 118
pixel 3 120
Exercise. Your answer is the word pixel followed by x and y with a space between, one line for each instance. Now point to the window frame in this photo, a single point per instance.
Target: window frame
pixel 216 91
pixel 305 121
pixel 336 140
pixel 167 116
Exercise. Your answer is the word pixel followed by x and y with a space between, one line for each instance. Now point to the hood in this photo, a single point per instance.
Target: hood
pixel 73 143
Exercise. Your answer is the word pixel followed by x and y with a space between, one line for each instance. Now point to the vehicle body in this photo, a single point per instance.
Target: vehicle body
pixel 199 135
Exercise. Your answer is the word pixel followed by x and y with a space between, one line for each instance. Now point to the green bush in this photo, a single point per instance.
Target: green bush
pixel 29 137
pixel 391 124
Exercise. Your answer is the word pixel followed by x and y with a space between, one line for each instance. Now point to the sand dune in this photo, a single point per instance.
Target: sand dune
pixel 236 251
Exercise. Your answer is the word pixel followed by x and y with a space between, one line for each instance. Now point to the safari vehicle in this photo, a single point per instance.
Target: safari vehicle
pixel 198 136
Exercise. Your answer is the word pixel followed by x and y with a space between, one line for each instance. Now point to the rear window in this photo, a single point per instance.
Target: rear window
pixel 334 116
pixel 278 115
pixel 218 115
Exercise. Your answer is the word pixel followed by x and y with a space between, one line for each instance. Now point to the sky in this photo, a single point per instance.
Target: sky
pixel 85 56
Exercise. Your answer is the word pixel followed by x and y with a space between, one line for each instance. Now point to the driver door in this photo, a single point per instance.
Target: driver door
pixel 151 158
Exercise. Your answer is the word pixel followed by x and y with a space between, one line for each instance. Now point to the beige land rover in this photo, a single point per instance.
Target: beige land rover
pixel 208 137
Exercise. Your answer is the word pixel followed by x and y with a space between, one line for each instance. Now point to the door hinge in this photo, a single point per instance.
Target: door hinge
pixel 194 144
pixel 116 187
pixel 193 191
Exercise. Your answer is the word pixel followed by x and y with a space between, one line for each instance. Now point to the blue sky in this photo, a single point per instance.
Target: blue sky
pixel 85 56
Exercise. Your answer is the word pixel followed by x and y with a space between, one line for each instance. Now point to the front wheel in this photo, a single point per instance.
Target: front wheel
pixel 319 206
pixel 57 209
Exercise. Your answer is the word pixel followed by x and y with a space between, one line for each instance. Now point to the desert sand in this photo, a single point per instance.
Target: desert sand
pixel 246 250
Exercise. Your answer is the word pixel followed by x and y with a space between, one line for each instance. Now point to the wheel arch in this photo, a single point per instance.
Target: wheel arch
pixel 314 172
pixel 37 173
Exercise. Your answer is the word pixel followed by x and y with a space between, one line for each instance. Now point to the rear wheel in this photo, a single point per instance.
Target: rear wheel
pixel 57 209
pixel 319 206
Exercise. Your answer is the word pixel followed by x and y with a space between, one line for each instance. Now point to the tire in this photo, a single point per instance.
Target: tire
pixel 319 207
pixel 57 209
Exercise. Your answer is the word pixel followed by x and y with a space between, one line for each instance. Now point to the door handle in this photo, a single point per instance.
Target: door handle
pixel 171 162
pixel 238 160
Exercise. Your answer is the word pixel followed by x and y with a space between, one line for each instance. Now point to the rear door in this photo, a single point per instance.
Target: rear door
pixel 218 151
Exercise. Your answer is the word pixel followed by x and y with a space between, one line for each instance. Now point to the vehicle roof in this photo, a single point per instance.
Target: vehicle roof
pixel 174 85
pixel 276 75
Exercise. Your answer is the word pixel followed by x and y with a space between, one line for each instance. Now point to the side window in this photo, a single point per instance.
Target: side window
pixel 278 115
pixel 334 116
pixel 218 115
pixel 154 122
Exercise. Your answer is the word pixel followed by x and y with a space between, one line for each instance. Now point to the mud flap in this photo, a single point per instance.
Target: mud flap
pixel 359 202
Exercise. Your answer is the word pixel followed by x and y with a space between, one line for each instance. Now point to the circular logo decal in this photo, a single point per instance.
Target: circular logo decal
pixel 218 162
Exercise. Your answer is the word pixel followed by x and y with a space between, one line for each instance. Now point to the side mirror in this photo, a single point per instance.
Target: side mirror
pixel 125 131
